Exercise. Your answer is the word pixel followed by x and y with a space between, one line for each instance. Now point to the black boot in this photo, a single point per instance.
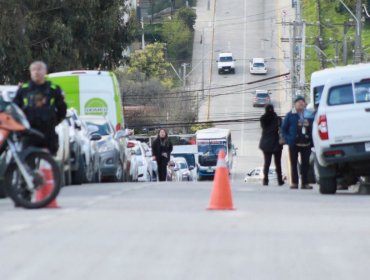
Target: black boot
pixel 265 182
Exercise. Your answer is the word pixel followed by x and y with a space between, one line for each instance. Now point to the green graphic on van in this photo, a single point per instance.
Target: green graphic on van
pixel 96 106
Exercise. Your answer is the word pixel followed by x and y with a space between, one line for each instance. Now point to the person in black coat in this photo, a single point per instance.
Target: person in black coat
pixel 269 143
pixel 161 150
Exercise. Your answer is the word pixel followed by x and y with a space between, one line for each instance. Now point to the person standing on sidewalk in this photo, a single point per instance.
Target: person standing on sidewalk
pixel 296 131
pixel 161 150
pixel 269 143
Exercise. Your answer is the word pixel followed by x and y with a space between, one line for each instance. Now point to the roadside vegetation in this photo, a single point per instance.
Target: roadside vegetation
pixel 328 23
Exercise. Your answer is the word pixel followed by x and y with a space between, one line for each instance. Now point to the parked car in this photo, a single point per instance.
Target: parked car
pixel 256 175
pixel 261 98
pixel 143 160
pixel 153 163
pixel 184 170
pixel 63 154
pixel 89 154
pixel 257 66
pixel 190 153
pixel 132 162
pixel 112 148
pixel 341 139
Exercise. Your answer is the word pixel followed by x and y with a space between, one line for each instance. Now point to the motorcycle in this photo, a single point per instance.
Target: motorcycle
pixel 29 175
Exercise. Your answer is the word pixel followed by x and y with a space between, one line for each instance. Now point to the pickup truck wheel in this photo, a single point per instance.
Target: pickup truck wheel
pixel 328 185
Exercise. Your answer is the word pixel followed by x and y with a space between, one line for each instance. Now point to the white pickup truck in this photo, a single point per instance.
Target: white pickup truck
pixel 226 63
pixel 340 131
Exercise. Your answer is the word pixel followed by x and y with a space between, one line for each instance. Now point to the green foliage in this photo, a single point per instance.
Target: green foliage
pixel 151 63
pixel 65 34
pixel 178 38
pixel 187 15
pixel 194 128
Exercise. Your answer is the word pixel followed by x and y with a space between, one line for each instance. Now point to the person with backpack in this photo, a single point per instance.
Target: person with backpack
pixel 297 132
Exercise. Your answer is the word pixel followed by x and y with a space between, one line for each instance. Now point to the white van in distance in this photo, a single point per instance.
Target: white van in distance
pixel 226 63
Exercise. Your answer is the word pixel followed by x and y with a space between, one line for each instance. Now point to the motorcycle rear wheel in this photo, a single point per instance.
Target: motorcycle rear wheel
pixel 46 177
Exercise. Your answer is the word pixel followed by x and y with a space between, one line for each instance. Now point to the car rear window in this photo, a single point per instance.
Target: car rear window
pixel 362 91
pixel 262 95
pixel 258 64
pixel 341 95
pixel 226 58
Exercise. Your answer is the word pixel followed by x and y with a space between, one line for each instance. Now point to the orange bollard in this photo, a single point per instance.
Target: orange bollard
pixel 47 188
pixel 221 197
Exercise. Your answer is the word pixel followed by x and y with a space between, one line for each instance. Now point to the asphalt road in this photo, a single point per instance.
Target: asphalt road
pixel 163 231
pixel 247 29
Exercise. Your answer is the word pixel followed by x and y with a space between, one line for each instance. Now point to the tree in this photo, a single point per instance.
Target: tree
pixel 65 34
pixel 188 16
pixel 150 62
pixel 178 38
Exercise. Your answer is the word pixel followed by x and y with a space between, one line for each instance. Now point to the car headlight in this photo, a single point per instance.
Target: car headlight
pixel 106 147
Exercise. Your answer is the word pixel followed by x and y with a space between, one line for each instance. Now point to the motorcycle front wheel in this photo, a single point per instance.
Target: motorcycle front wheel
pixel 46 178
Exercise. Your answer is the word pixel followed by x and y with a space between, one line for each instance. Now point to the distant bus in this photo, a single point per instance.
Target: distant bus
pixel 209 143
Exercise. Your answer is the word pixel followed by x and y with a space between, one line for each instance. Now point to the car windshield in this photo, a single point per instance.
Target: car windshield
pixel 226 58
pixel 183 165
pixel 258 64
pixel 190 158
pixel 103 129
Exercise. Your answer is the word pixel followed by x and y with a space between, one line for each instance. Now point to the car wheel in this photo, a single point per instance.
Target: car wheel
pixel 89 175
pixel 119 176
pixel 328 185
pixel 79 175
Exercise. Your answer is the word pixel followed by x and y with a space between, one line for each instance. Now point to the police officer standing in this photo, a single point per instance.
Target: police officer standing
pixel 43 104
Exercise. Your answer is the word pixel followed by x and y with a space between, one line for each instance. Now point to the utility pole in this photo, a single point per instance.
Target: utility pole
pixel 184 74
pixel 358 45
pixel 142 34
pixel 358 41
pixel 203 41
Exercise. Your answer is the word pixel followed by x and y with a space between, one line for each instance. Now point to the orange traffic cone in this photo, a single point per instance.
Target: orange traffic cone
pixel 47 188
pixel 221 198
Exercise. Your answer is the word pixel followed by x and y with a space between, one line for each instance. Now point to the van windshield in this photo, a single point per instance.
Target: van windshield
pixel 211 149
pixel 103 129
pixel 226 58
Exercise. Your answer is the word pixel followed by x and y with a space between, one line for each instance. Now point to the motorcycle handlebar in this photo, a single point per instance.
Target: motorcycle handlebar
pixel 36 132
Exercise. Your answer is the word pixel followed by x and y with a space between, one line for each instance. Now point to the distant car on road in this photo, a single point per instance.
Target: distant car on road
pixel 261 98
pixel 226 63
pixel 256 175
pixel 257 66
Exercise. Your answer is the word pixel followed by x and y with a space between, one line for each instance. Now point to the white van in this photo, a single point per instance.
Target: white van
pixel 340 135
pixel 225 63
pixel 92 93
pixel 209 142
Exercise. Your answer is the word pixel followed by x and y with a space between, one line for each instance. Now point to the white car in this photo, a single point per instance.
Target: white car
pixel 63 153
pixel 256 175
pixel 184 171
pixel 257 66
pixel 340 135
pixel 143 158
pixel 226 63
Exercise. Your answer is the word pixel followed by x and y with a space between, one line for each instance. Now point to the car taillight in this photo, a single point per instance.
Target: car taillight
pixel 130 145
pixel 323 128
pixel 334 153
